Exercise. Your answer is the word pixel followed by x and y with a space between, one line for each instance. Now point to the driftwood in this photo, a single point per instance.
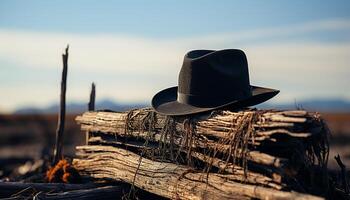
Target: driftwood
pixel 238 172
pixel 223 125
pixel 254 156
pixel 252 153
pixel 295 125
pixel 212 125
pixel 167 179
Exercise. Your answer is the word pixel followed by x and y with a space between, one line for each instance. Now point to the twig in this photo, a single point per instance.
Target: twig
pixel 343 172
pixel 62 113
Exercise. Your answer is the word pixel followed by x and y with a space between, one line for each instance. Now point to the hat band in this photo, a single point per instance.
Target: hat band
pixel 207 101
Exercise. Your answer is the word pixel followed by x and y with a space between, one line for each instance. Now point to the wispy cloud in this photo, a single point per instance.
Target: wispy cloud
pixel 142 65
pixel 252 36
pixel 120 52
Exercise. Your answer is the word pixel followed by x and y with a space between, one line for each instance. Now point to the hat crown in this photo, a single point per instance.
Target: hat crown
pixel 208 77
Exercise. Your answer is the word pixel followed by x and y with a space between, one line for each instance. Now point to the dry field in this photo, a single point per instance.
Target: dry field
pixel 25 138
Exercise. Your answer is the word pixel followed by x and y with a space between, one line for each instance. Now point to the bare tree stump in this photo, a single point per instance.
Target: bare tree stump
pixel 62 113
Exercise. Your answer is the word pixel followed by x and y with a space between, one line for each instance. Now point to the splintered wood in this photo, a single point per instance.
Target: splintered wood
pixel 260 154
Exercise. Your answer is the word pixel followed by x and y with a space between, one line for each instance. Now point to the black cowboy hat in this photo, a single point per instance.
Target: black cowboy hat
pixel 210 80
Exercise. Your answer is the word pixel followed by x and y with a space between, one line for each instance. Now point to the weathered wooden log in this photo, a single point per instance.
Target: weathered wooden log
pixel 218 125
pixel 298 126
pixel 255 156
pixel 237 172
pixel 168 179
pixel 115 124
pixel 223 126
pixel 224 140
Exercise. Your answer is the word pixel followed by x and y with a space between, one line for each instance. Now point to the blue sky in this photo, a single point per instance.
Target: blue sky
pixel 164 19
pixel 132 49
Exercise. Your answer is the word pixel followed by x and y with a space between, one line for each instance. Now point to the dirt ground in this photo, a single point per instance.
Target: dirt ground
pixel 26 138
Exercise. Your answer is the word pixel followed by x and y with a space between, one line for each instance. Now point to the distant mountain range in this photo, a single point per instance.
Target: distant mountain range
pixel 319 105
pixel 76 107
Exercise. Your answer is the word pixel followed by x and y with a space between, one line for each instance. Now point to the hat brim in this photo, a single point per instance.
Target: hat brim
pixel 165 102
